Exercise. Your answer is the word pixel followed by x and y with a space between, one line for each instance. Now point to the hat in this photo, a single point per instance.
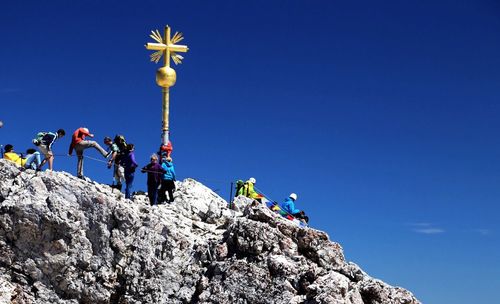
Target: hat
pixel 252 180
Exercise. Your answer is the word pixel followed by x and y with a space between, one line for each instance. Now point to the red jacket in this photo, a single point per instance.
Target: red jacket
pixel 77 137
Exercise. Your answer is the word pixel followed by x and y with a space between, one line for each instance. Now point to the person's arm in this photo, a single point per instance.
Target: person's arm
pixel 132 160
pixel 173 173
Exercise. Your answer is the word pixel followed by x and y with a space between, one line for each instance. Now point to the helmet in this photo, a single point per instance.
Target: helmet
pixel 252 180
pixel 293 196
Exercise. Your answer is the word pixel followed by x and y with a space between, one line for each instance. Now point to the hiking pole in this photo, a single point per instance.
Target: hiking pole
pixel 231 196
pixel 1 150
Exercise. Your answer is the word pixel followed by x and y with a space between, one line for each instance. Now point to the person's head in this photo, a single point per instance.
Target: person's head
pixel 154 158
pixel 108 141
pixel 61 133
pixel 293 196
pixel 9 148
pixel 85 130
pixel 130 147
pixel 252 180
pixel 30 151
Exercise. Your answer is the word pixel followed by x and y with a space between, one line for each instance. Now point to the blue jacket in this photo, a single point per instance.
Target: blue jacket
pixel 170 172
pixel 289 206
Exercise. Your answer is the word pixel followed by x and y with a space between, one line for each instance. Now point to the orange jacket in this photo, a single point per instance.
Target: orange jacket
pixel 77 137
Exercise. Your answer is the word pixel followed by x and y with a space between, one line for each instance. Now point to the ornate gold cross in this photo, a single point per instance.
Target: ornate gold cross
pixel 165 76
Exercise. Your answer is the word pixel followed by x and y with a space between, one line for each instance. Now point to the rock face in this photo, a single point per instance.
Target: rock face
pixel 64 240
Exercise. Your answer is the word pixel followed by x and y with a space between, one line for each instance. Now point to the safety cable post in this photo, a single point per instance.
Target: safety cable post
pixel 231 196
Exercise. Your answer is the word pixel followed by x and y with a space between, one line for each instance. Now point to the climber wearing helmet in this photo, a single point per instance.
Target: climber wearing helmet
pixel 79 144
pixel 248 190
pixel 289 206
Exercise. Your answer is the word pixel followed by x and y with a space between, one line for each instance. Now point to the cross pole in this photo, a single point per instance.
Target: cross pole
pixel 165 76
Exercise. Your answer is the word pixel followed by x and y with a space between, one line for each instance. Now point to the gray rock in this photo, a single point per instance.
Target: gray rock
pixel 65 240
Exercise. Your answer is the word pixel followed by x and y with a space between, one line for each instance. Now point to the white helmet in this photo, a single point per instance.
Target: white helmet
pixel 293 196
pixel 252 180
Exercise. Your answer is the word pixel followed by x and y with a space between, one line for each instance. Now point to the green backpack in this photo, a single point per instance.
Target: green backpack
pixel 38 139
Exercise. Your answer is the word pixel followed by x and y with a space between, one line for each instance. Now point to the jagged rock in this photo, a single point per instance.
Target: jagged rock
pixel 65 240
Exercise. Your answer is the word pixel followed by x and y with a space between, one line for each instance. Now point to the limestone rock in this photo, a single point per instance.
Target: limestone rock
pixel 65 240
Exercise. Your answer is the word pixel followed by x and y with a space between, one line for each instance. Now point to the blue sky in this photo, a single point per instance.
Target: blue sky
pixel 382 117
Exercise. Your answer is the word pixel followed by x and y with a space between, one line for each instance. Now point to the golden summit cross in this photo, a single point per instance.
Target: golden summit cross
pixel 167 47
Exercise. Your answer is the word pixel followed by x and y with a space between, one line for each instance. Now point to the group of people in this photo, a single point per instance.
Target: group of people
pixel 286 208
pixel 119 155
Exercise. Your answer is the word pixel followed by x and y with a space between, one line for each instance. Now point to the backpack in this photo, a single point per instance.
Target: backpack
pixel 239 185
pixel 38 139
pixel 120 142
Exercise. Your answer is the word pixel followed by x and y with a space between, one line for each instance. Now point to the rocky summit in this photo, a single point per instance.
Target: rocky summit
pixel 66 240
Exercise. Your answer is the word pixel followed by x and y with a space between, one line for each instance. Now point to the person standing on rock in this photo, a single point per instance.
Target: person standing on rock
pixel 289 206
pixel 129 165
pixel 118 170
pixel 155 173
pixel 168 181
pixel 79 144
pixel 44 141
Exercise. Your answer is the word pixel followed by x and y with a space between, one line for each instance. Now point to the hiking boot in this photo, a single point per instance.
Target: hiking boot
pixel 81 177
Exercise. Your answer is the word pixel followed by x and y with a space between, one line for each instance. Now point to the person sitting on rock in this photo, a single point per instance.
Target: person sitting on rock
pixel 79 144
pixel 13 156
pixel 33 160
pixel 155 173
pixel 248 190
pixel 289 206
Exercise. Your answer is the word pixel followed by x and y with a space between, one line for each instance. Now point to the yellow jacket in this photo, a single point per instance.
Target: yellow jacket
pixel 14 157
pixel 248 191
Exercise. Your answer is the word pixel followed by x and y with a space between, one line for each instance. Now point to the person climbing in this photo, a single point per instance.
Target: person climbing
pixel 155 173
pixel 79 144
pixel 9 154
pixel 168 180
pixel 115 160
pixel 33 159
pixel 289 206
pixel 129 165
pixel 44 141
pixel 248 190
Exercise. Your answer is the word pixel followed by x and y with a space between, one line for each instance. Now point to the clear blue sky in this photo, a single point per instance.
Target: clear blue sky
pixel 383 116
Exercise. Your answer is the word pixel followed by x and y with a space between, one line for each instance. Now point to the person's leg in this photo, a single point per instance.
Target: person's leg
pixel 45 151
pixel 85 144
pixel 129 179
pixel 152 193
pixel 79 164
pixel 29 161
pixel 38 161
pixel 51 162
pixel 170 189
pixel 162 192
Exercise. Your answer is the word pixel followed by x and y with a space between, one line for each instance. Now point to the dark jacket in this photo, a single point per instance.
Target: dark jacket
pixel 155 173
